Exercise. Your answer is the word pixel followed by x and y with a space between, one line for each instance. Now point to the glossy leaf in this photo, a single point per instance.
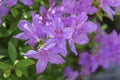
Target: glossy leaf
pixel 7 73
pixel 12 52
pixel 18 72
pixel 3 66
pixel 24 63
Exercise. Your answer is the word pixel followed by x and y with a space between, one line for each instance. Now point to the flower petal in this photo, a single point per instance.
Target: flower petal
pixel 80 38
pixel 55 58
pixel 61 44
pixel 108 10
pixel 21 36
pixel 24 25
pixel 27 2
pixel 72 46
pixel 32 54
pixel 11 3
pixel 89 27
pixel 41 65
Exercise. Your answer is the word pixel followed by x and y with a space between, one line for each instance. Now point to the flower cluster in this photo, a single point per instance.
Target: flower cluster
pixel 68 22
pixel 108 50
pixel 88 63
pixel 53 29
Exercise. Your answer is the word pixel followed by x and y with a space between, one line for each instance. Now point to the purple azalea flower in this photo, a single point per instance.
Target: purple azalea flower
pixel 32 32
pixel 78 6
pixel 69 74
pixel 107 4
pixel 69 6
pixel 70 27
pixel 58 34
pixel 103 59
pixel 108 49
pixel 81 29
pixel 52 12
pixel 88 63
pixel 86 6
pixel 46 17
pixel 45 56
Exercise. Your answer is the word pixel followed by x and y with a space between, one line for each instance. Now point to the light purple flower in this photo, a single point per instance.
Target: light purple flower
pixel 107 4
pixel 81 28
pixel 108 48
pixel 69 6
pixel 32 32
pixel 52 12
pixel 78 6
pixel 46 16
pixel 86 6
pixel 58 34
pixel 69 74
pixel 88 63
pixel 44 56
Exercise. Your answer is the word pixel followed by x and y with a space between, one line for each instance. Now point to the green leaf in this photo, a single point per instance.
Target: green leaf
pixel 25 72
pixel 13 77
pixel 14 12
pixel 22 64
pixel 18 72
pixel 12 52
pixel 13 26
pixel 4 66
pixel 7 73
pixel 104 27
pixel 4 32
pixel 14 41
pixel 3 52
